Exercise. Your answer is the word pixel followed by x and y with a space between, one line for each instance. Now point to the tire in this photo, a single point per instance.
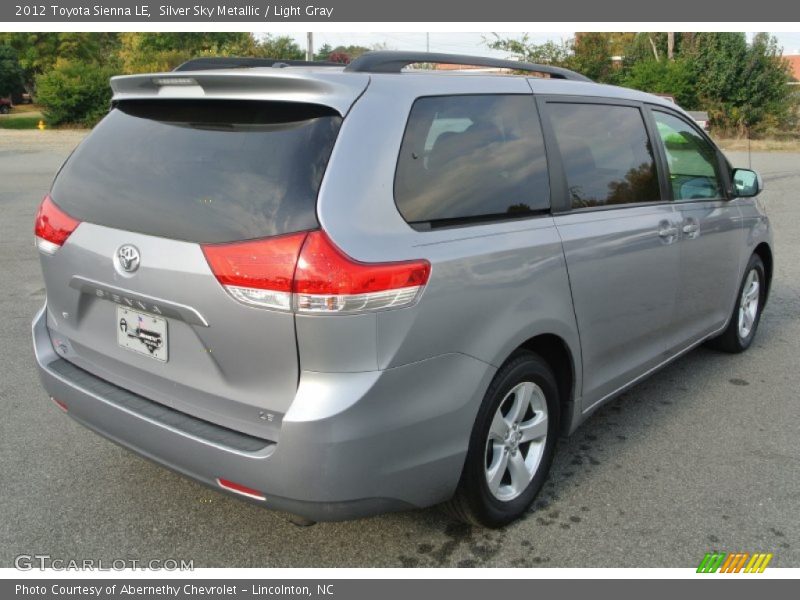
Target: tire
pixel 737 337
pixel 524 391
pixel 3 109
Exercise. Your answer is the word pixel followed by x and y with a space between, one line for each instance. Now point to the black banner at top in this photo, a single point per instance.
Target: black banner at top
pixel 205 11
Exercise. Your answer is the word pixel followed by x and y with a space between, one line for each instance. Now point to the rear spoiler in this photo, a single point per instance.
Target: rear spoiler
pixel 333 89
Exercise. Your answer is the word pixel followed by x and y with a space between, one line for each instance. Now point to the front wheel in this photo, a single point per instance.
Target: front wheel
pixel 3 109
pixel 512 444
pixel 747 312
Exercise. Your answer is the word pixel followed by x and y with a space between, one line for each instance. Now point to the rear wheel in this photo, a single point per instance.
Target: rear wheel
pixel 747 313
pixel 511 446
pixel 3 109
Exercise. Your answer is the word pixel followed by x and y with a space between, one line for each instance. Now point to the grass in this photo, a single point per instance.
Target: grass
pixel 21 109
pixel 22 116
pixel 20 122
pixel 759 145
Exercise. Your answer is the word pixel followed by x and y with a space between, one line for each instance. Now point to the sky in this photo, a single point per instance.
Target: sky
pixel 466 43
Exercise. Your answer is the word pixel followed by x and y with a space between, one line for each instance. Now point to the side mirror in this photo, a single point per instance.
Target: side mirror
pixel 747 183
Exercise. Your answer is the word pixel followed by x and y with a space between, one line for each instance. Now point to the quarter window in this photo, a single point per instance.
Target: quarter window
pixel 471 157
pixel 607 155
pixel 692 161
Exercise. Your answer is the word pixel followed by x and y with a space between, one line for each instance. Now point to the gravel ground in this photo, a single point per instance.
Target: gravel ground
pixel 701 456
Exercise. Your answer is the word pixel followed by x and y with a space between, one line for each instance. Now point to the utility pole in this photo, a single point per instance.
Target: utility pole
pixel 427 42
pixel 309 46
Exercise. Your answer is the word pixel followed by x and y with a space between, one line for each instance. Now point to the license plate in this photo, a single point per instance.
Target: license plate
pixel 142 332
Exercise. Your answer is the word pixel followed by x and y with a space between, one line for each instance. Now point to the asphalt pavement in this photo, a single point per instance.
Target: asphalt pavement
pixel 702 456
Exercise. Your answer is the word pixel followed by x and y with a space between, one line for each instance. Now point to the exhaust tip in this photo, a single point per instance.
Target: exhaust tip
pixel 299 521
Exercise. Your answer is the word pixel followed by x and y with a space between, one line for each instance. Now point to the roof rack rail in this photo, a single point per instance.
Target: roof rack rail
pixel 390 61
pixel 232 62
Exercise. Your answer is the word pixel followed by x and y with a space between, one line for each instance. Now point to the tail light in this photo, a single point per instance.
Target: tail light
pixel 52 226
pixel 307 273
pixel 327 280
pixel 258 272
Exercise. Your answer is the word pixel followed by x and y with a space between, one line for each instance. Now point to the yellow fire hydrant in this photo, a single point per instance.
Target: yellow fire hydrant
pixel 41 125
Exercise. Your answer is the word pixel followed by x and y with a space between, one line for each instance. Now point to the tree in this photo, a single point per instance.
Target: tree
pixel 548 53
pixel 742 86
pixel 280 47
pixel 38 52
pixel 323 52
pixel 766 100
pixel 350 52
pixel 717 59
pixel 588 53
pixel 339 57
pixel 639 49
pixel 163 51
pixel 675 78
pixel 195 43
pixel 10 71
pixel 591 55
pixel 75 92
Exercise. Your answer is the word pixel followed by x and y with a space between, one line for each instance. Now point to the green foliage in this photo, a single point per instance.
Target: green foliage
pixel 280 47
pixel 10 71
pixel 588 53
pixel 69 71
pixel 743 87
pixel 323 52
pixel 163 51
pixel 591 55
pixel 38 52
pixel 75 93
pixel 676 78
pixel 548 53
pixel 192 43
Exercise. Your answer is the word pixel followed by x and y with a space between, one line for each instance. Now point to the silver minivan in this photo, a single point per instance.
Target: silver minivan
pixel 338 291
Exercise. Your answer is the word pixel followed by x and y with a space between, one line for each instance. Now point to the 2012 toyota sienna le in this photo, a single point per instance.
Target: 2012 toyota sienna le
pixel 338 291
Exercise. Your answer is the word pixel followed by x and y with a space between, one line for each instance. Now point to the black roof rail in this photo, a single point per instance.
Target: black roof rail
pixel 392 61
pixel 232 62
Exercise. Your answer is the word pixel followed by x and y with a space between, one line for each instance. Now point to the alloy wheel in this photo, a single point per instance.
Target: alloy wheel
pixel 516 441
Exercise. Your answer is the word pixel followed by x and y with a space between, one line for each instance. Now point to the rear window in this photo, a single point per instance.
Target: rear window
pixel 471 158
pixel 204 171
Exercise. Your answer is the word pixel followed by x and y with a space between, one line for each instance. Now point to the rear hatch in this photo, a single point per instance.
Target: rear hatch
pixel 131 295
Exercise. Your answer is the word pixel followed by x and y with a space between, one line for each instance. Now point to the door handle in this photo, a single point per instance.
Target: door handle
pixel 667 232
pixel 691 228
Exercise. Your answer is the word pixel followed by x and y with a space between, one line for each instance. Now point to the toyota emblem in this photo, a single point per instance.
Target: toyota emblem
pixel 128 258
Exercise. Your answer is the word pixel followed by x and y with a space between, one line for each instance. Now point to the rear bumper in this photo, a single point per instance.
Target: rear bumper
pixel 351 445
